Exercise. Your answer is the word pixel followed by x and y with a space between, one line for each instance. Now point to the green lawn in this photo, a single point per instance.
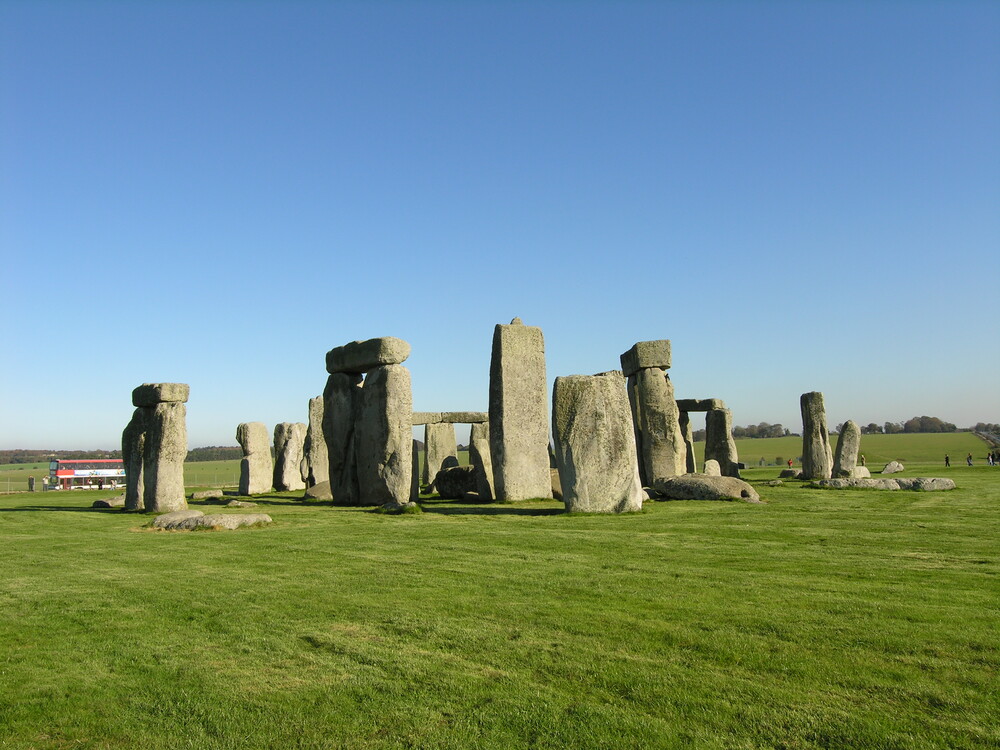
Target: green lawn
pixel 819 619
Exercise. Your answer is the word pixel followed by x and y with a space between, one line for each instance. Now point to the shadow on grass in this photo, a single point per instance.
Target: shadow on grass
pixel 70 509
pixel 491 510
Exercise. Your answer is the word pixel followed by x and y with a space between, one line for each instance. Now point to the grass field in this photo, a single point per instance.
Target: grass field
pixel 819 619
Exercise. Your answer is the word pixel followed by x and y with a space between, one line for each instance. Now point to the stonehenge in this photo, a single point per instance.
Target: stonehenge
pixel 439 446
pixel 256 467
pixel 817 457
pixel 845 459
pixel 518 413
pixel 719 443
pixel 289 439
pixel 315 454
pixel 154 446
pixel 595 444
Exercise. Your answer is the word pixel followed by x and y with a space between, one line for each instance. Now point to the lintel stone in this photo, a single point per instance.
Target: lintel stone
pixel 700 404
pixel 426 417
pixel 645 354
pixel 151 394
pixel 465 417
pixel 362 356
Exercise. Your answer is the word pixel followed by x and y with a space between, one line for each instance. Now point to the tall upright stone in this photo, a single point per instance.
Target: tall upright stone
pixel 133 447
pixel 479 457
pixel 595 444
pixel 384 437
pixel 415 472
pixel 845 458
pixel 719 443
pixel 690 463
pixel 317 458
pixel 631 388
pixel 341 400
pixel 163 458
pixel 663 451
pixel 817 457
pixel 439 445
pixel 256 467
pixel 518 414
pixel 289 439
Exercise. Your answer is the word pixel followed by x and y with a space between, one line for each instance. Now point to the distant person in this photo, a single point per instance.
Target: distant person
pixel 862 459
pixel 968 459
pixel 789 463
pixel 947 460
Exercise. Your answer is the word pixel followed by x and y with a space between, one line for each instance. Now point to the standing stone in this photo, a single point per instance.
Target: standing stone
pixel 317 459
pixel 690 463
pixel 384 437
pixel 289 438
pixel 256 468
pixel 133 447
pixel 518 416
pixel 341 400
pixel 663 452
pixel 712 468
pixel 163 457
pixel 848 445
pixel 439 445
pixel 817 458
pixel 719 443
pixel 595 444
pixel 479 457
pixel 415 473
pixel 631 385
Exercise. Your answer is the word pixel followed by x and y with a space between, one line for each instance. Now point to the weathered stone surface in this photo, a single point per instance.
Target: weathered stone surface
pixel 465 417
pixel 187 520
pixel 631 388
pixel 319 491
pixel 791 474
pixel 362 356
pixel 519 430
pixel 133 447
pixel 860 472
pixel 595 444
pixel 925 484
pixel 556 484
pixel 701 487
pixel 646 354
pixel 426 417
pixel 341 402
pixel 314 451
pixel 663 453
pixel 817 457
pixel 842 483
pixel 439 445
pixel 719 443
pixel 240 504
pixel 163 457
pixel 384 437
pixel 289 438
pixel 479 457
pixel 257 467
pixel 111 502
pixel 700 404
pixel 845 458
pixel 893 467
pixel 712 468
pixel 207 495
pixel 453 483
pixel 690 462
pixel 415 472
pixel 151 394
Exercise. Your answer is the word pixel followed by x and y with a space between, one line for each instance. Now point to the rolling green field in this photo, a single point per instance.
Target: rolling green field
pixel 819 619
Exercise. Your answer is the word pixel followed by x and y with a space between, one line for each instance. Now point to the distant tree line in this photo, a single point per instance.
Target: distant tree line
pixel 27 456
pixel 762 430
pixel 215 453
pixel 916 424
pixel 987 427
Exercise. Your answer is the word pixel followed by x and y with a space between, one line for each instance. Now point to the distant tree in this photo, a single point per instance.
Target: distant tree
pixel 698 436
pixel 893 428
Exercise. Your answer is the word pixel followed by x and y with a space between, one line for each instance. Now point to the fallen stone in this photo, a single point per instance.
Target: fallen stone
pixel 925 484
pixel 464 417
pixel 701 487
pixel 646 354
pixel 844 483
pixel 240 504
pixel 207 494
pixel 791 474
pixel 453 483
pixel 111 502
pixel 773 483
pixel 228 521
pixel 169 520
pixel 712 468
pixel 860 472
pixel 151 394
pixel 595 444
pixel 362 356
pixel 893 467
pixel 319 491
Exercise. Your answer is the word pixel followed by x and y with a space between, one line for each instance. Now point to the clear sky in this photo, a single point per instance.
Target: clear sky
pixel 801 196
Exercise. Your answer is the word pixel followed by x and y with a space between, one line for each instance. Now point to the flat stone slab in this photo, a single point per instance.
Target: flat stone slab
pixel 111 502
pixel 700 404
pixel 240 504
pixel 893 467
pixel 426 417
pixel 207 495
pixel 151 394
pixel 919 484
pixel 791 474
pixel 185 520
pixel 701 487
pixel 362 356
pixel 645 354
pixel 465 417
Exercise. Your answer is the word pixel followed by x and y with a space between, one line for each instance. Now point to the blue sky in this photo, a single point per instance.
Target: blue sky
pixel 801 196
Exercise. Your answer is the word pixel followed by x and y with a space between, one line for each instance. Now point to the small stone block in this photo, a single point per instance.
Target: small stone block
pixel 646 354
pixel 700 404
pixel 362 356
pixel 151 394
pixel 465 417
pixel 426 417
